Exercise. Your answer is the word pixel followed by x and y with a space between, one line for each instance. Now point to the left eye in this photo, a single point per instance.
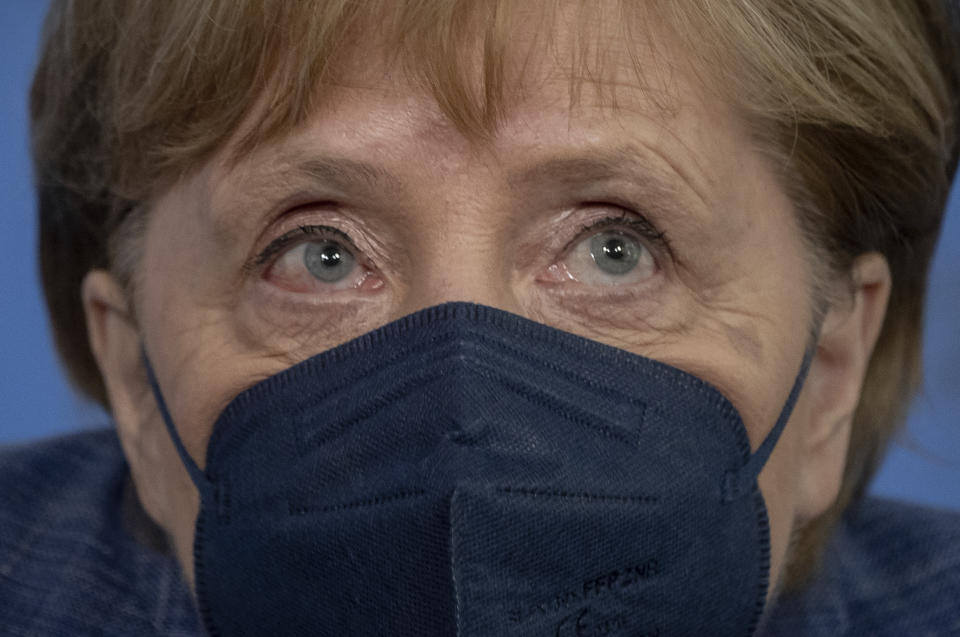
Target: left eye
pixel 609 257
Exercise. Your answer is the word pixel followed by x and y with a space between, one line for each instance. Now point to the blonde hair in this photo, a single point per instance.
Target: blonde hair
pixel 856 102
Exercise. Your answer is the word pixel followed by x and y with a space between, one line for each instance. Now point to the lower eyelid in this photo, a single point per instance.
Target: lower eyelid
pixel 312 316
pixel 632 307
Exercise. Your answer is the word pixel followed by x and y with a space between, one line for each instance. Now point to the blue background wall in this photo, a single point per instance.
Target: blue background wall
pixel 924 465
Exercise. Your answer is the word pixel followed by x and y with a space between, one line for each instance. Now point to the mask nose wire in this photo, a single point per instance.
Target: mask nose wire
pixel 736 483
pixel 199 478
pixel 740 482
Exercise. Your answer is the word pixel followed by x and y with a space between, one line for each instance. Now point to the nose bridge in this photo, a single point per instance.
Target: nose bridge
pixel 460 265
pixel 462 247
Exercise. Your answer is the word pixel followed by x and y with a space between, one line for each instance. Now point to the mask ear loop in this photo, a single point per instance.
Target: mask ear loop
pixel 741 482
pixel 199 478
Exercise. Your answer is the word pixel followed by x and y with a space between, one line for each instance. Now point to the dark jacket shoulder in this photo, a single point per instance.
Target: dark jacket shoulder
pixel 891 569
pixel 68 565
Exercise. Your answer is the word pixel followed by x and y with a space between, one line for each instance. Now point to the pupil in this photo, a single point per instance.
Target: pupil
pixel 328 261
pixel 615 253
pixel 330 256
pixel 614 249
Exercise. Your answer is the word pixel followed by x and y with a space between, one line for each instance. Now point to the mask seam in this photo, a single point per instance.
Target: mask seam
pixel 763 526
pixel 200 577
pixel 568 495
pixel 364 503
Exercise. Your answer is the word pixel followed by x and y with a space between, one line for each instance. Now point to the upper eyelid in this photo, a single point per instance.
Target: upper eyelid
pixel 294 237
pixel 627 218
pixel 636 223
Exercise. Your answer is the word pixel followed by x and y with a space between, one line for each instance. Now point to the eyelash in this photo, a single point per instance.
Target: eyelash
pixel 297 235
pixel 640 225
pixel 637 224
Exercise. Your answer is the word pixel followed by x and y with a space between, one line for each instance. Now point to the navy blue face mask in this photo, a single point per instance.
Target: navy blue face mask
pixel 467 472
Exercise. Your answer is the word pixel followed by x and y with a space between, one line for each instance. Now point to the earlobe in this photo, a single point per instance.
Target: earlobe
pixel 115 342
pixel 847 339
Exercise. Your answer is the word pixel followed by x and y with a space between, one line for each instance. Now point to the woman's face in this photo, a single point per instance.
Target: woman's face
pixel 661 231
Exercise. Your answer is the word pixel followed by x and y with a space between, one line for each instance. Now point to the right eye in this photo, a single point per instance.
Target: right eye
pixel 328 261
pixel 317 265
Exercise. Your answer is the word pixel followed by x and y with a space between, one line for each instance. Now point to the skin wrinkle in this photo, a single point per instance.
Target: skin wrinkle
pixel 742 334
pixel 666 100
pixel 607 164
pixel 655 193
pixel 284 333
pixel 749 52
pixel 343 177
pixel 607 331
pixel 701 200
pixel 293 333
pixel 461 210
pixel 701 197
pixel 745 341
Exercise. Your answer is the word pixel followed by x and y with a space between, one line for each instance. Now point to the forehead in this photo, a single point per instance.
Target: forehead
pixel 479 63
pixel 563 83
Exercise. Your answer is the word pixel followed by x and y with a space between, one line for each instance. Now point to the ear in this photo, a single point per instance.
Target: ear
pixel 847 338
pixel 115 342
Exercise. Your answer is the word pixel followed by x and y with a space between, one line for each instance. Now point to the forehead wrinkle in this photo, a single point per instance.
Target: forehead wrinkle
pixel 338 174
pixel 628 163
pixel 256 191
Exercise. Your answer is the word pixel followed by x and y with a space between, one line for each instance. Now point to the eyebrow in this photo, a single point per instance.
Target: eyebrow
pixel 348 174
pixel 294 176
pixel 628 162
pixel 642 169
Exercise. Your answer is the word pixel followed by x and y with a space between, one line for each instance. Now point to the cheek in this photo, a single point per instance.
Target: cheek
pixel 163 485
pixel 206 381
pixel 199 376
pixel 779 484
pixel 182 504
